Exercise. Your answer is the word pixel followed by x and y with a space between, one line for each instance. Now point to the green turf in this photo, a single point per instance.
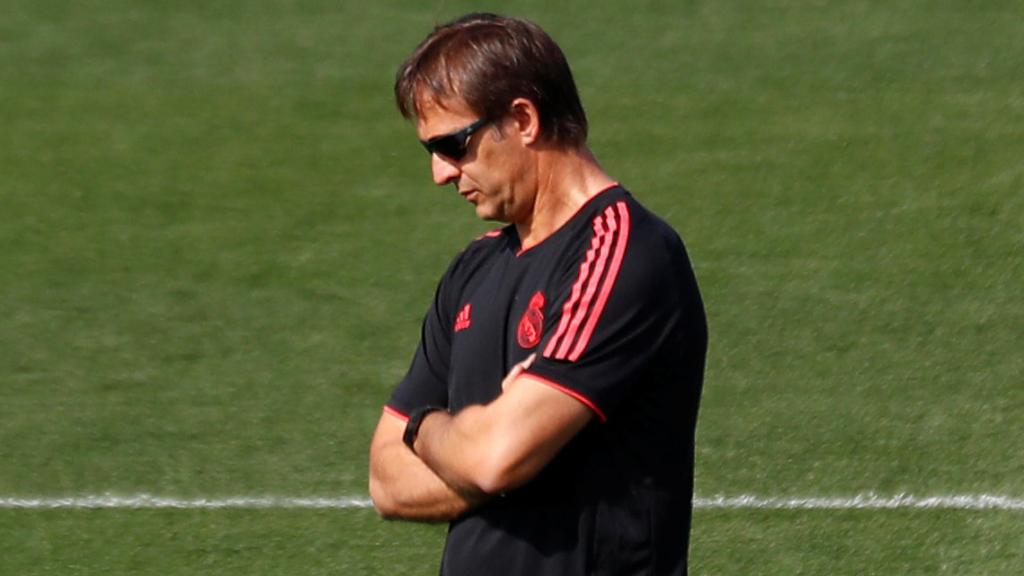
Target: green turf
pixel 214 542
pixel 858 542
pixel 219 239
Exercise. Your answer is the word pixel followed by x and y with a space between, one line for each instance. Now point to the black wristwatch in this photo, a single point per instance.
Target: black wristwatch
pixel 412 427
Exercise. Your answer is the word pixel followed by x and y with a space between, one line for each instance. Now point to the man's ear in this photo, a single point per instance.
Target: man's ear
pixel 527 120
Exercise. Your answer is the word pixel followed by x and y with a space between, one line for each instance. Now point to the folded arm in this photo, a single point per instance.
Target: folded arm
pixel 501 445
pixel 402 486
pixel 462 459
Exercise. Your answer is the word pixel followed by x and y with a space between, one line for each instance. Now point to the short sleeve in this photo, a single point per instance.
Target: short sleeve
pixel 425 384
pixel 622 312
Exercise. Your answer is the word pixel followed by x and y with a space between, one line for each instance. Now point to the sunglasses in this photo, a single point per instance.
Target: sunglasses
pixel 454 145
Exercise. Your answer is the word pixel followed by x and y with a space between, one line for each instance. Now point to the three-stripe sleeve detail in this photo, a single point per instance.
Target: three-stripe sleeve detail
pixel 598 272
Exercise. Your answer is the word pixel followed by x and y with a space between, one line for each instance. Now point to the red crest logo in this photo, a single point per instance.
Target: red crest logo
pixel 532 323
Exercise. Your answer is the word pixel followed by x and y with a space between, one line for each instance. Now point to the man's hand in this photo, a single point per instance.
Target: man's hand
pixel 516 371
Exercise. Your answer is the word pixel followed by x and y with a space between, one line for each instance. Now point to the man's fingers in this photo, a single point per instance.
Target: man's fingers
pixel 517 370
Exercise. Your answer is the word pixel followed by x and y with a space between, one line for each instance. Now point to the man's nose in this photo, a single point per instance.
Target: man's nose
pixel 443 170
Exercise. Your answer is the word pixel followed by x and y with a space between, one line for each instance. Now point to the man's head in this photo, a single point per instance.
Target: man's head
pixel 486 62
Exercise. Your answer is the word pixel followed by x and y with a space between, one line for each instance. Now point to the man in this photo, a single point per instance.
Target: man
pixel 550 408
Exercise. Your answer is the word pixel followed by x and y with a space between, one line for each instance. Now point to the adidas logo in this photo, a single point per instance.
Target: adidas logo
pixel 462 320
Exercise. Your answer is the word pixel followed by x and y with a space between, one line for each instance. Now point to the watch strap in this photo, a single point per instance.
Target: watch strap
pixel 412 426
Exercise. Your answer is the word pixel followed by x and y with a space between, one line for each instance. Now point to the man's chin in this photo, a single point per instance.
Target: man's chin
pixel 487 213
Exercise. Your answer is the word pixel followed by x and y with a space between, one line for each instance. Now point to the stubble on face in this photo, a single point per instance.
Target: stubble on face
pixel 490 174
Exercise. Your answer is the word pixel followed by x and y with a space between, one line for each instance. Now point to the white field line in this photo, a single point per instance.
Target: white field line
pixel 858 502
pixel 147 501
pixel 866 502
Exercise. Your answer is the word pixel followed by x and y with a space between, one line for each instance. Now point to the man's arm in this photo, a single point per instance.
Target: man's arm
pixel 402 486
pixel 504 444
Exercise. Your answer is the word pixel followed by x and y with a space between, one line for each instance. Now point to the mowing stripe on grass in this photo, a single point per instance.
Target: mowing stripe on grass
pixel 858 502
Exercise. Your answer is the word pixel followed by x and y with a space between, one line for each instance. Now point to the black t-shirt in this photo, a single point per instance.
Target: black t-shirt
pixel 610 305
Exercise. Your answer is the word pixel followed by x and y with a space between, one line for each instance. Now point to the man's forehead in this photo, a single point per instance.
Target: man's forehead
pixel 436 116
pixel 431 102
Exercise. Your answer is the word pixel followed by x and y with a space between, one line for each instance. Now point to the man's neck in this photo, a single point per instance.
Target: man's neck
pixel 566 180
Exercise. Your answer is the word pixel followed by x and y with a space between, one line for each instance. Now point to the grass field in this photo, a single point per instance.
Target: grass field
pixel 219 238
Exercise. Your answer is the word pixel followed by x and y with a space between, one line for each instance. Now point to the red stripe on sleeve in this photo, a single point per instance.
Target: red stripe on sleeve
pixel 584 309
pixel 396 413
pixel 590 273
pixel 577 291
pixel 609 282
pixel 583 399
pixel 611 235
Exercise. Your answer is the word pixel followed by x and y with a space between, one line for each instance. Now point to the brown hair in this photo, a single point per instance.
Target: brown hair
pixel 488 61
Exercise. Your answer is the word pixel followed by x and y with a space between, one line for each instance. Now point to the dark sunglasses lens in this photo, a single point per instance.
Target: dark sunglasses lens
pixel 450 146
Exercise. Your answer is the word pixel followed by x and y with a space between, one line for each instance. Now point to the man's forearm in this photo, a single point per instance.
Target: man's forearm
pixel 495 447
pixel 403 486
pixel 449 451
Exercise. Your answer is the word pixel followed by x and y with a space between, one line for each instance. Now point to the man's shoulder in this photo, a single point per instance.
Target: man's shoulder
pixel 479 252
pixel 655 264
pixel 618 207
pixel 491 237
pixel 487 244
